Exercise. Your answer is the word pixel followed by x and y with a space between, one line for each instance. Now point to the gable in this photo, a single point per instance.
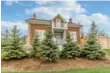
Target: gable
pixel 58 17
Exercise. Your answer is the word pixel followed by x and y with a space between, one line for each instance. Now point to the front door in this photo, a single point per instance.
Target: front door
pixel 59 38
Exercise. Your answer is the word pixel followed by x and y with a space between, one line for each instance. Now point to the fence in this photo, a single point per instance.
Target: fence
pixel 103 41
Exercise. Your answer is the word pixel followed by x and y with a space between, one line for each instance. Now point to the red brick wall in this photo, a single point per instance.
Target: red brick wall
pixel 33 27
pixel 77 30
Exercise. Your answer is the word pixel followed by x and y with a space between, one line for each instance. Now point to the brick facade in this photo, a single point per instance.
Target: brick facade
pixel 39 24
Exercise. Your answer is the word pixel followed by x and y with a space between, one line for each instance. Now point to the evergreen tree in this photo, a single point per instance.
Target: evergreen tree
pixel 14 48
pixel 93 30
pixel 49 49
pixel 70 49
pixel 92 49
pixel 36 46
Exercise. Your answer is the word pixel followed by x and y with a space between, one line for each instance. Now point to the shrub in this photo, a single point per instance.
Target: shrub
pixel 92 49
pixel 13 47
pixel 49 50
pixel 70 49
pixel 36 47
pixel 28 50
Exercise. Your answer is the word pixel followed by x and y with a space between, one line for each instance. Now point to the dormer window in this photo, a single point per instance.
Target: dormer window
pixel 58 22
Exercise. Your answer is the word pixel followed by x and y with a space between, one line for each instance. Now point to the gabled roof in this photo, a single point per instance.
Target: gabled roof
pixel 74 24
pixel 39 21
pixel 48 22
pixel 59 16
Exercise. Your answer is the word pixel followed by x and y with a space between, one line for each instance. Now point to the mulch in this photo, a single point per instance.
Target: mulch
pixel 32 64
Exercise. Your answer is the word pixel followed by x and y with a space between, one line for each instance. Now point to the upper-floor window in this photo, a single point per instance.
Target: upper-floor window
pixel 58 22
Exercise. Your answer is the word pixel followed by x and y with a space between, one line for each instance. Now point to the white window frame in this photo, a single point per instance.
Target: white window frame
pixel 73 36
pixel 58 22
pixel 40 34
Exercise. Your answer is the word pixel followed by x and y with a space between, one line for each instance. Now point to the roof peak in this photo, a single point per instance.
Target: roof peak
pixel 58 15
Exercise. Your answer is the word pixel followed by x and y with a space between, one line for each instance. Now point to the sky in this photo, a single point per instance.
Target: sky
pixel 83 12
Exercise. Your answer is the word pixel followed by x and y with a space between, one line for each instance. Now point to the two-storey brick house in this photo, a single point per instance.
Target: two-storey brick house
pixel 59 28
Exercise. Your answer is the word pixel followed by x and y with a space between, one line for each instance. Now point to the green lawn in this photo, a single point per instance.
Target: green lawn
pixel 107 51
pixel 78 70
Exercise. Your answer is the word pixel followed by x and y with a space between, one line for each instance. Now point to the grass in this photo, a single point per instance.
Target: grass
pixel 77 70
pixel 107 51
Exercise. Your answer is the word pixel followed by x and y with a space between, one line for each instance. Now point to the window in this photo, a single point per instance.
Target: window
pixel 65 25
pixel 58 22
pixel 40 34
pixel 73 36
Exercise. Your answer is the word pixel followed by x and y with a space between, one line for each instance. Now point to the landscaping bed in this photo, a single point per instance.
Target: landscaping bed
pixel 32 64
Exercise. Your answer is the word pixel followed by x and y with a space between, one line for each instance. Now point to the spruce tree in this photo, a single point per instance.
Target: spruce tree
pixel 70 48
pixel 92 49
pixel 49 49
pixel 5 42
pixel 36 46
pixel 93 30
pixel 14 48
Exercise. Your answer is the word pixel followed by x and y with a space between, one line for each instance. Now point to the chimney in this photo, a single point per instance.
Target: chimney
pixel 34 15
pixel 70 20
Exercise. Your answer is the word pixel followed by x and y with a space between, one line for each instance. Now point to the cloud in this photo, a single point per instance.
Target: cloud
pixel 51 8
pixel 100 19
pixel 20 25
pixel 43 2
pixel 47 9
pixel 83 19
pixel 10 3
pixel 67 5
pixel 103 21
pixel 74 6
pixel 67 9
